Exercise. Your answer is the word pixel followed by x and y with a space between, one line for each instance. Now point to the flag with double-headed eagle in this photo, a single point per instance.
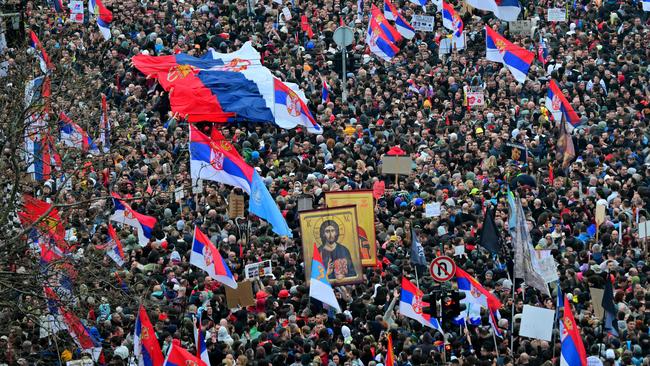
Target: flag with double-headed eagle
pixel 451 20
pixel 230 87
pixel 382 36
pixel 217 160
pixel 207 257
pixel 515 58
pixel 411 304
pixel 145 344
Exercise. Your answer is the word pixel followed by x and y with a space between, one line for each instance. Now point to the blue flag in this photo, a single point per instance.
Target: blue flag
pixel 263 205
pixel 417 251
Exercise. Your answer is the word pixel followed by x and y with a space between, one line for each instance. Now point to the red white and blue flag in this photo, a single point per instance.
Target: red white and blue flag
pixel 386 29
pixel 422 3
pixel 145 344
pixel 325 93
pixel 402 25
pixel 43 157
pixel 411 304
pixel 319 286
pixel 290 106
pixel 507 10
pixel 40 52
pixel 78 331
pixel 560 107
pixel 114 247
pixel 476 297
pixel 104 17
pixel 289 113
pixel 179 356
pixel 217 160
pixel 199 341
pixel 573 351
pixel 451 20
pixel 381 36
pixel 542 51
pixel 73 135
pixel 125 215
pixel 207 257
pixel 515 58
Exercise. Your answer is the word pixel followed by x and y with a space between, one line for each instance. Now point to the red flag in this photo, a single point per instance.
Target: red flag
pixel 390 356
pixel 551 174
pixel 51 224
pixel 341 22
pixel 180 356
pixel 306 27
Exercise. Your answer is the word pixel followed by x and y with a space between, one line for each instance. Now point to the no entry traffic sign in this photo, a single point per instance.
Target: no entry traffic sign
pixel 442 268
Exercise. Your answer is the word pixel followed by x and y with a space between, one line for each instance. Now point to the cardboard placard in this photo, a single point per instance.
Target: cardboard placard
pixel 556 15
pixel 396 165
pixel 537 323
pixel 475 99
pixel 242 296
pixel 520 27
pixel 644 229
pixel 259 269
pixel 235 205
pixel 432 209
pixel 286 13
pixel 197 186
pixel 423 23
pixel 179 193
pixel 597 301
pixel 600 215
pixel 77 11
pixel 447 44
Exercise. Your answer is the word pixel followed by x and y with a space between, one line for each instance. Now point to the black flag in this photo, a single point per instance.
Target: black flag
pixel 490 239
pixel 610 321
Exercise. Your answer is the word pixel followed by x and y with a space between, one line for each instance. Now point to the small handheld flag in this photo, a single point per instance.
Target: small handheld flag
pixel 325 93
pixel 44 59
pixel 124 214
pixel 207 257
pixel 515 58
pixel 411 304
pixel 319 286
pixel 104 17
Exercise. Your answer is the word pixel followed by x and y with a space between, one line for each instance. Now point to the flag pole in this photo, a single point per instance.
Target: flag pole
pixel 496 347
pixel 554 322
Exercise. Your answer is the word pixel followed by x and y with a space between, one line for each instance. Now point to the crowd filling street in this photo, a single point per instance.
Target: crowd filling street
pixel 468 159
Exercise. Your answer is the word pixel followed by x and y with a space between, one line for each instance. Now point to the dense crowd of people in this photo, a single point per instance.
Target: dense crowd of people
pixel 461 159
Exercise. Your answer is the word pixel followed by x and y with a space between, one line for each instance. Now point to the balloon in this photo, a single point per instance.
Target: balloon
pixel 255 155
pixel 398 200
pixel 419 201
pixel 403 204
pixel 309 45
